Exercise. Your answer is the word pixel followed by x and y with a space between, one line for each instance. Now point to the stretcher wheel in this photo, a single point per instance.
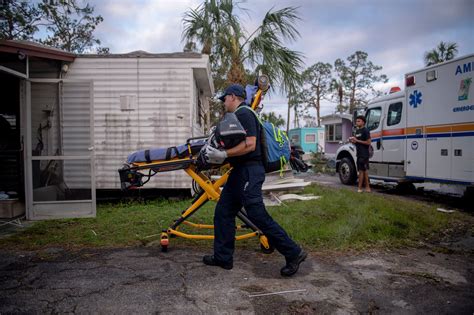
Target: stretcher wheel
pixel 197 190
pixel 164 242
pixel 265 245
pixel 263 82
pixel 269 250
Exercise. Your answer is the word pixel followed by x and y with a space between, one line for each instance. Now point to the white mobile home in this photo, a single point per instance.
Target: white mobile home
pixel 142 101
pixel 68 122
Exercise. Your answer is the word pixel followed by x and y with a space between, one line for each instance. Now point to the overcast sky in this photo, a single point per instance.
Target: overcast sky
pixel 395 33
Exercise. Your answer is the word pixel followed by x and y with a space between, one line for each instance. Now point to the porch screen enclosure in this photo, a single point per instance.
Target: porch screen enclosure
pixel 59 142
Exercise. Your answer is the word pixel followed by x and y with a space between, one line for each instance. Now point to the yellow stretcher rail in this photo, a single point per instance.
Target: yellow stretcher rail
pixel 210 190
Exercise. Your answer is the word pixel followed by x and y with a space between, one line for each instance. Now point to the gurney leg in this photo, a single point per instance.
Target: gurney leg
pixel 164 242
pixel 265 245
pixel 172 230
pixel 211 192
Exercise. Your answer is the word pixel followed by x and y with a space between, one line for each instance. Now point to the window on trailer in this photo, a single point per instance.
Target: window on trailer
pixel 200 112
pixel 295 139
pixel 310 138
pixel 333 132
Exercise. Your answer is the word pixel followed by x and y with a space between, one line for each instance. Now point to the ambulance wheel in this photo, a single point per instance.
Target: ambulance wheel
pixel 468 195
pixel 347 172
pixel 406 188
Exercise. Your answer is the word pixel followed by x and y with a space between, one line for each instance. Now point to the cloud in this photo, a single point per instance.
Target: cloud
pixel 327 45
pixel 395 34
pixel 153 26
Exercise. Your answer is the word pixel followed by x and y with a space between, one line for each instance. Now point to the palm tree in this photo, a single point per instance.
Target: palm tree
pixel 337 88
pixel 277 121
pixel 443 52
pixel 216 26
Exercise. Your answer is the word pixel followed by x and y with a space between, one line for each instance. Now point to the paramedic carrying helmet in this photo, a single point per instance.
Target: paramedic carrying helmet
pixel 244 189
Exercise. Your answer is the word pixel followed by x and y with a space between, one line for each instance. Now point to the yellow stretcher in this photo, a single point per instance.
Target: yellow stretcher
pixel 131 177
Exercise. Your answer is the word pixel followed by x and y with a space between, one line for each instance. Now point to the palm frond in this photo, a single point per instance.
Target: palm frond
pixel 216 26
pixel 443 52
pixel 281 64
pixel 282 22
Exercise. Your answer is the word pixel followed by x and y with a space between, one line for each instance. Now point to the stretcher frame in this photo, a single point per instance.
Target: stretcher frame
pixel 211 191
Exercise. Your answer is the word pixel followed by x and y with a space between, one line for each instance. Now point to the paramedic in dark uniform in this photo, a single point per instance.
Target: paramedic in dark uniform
pixel 244 188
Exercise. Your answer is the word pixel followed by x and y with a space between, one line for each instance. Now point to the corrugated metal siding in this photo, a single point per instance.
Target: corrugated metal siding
pixel 160 117
pixel 193 110
pixel 76 132
pixel 76 111
pixel 66 110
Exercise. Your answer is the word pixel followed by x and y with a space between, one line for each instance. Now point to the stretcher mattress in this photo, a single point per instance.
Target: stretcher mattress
pixel 163 154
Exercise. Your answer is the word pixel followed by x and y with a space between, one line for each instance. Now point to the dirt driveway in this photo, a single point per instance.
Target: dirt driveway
pixel 144 280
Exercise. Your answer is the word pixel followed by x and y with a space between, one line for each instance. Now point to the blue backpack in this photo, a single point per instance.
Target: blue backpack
pixel 275 145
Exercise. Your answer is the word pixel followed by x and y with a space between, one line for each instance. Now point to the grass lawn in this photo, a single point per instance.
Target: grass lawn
pixel 341 219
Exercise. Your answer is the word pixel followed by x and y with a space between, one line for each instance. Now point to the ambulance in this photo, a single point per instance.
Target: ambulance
pixel 424 133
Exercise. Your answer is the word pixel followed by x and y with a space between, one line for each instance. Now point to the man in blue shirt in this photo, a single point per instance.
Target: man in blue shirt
pixel 244 189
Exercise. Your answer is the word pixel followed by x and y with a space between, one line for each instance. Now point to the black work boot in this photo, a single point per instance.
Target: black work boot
pixel 292 265
pixel 211 261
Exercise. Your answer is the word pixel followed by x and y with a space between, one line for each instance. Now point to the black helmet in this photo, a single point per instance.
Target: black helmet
pixel 229 131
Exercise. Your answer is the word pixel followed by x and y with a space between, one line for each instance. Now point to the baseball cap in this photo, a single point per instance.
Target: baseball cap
pixel 236 89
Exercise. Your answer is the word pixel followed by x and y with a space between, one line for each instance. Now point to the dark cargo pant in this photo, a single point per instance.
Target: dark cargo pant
pixel 244 188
